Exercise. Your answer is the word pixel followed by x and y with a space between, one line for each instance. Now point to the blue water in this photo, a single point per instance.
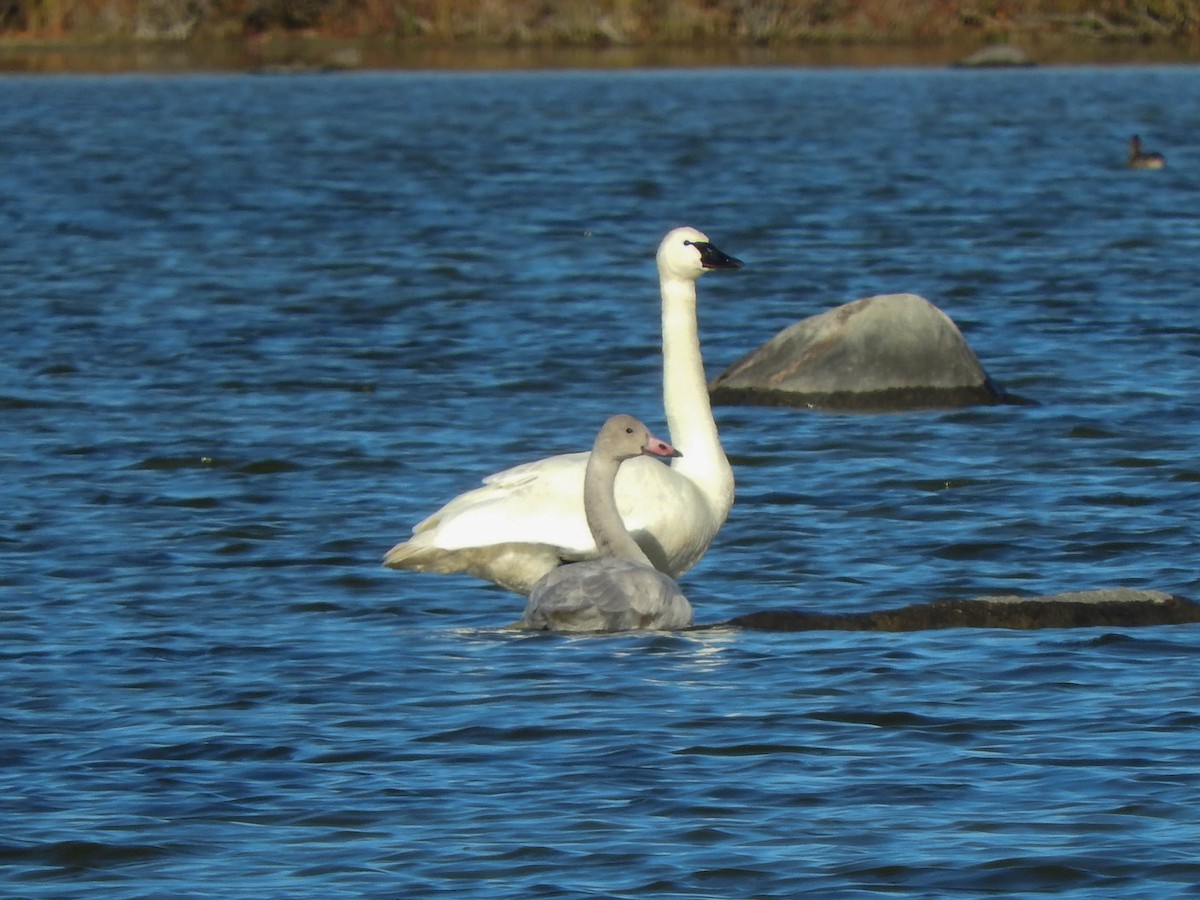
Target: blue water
pixel 255 327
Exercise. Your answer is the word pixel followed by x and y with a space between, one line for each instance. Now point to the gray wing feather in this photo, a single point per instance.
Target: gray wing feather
pixel 606 595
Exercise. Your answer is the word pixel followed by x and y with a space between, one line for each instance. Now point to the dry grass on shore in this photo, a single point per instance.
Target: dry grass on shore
pixel 605 22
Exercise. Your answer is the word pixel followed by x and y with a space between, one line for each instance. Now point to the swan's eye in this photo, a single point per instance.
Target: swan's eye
pixel 687 243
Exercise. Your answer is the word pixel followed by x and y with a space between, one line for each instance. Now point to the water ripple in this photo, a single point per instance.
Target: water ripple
pixel 257 327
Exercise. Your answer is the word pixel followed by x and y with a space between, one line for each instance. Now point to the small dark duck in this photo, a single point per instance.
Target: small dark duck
pixel 1142 159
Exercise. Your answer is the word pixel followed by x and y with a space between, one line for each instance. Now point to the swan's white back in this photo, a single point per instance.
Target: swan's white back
pixel 525 521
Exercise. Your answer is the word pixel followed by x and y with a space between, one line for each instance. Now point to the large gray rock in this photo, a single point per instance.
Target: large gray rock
pixel 1105 608
pixel 890 352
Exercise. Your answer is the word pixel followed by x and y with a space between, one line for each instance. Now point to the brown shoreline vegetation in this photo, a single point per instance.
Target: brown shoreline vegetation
pixel 117 34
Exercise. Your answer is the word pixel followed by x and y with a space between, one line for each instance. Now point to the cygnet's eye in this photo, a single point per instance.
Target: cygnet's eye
pixel 629 430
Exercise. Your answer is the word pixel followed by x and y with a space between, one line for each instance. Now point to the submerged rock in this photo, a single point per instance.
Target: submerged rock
pixel 889 352
pixel 1109 608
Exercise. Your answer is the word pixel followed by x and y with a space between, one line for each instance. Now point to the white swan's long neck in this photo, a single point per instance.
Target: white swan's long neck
pixel 603 518
pixel 685 398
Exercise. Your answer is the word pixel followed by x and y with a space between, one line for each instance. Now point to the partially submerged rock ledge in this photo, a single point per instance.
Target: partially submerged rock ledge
pixel 1108 608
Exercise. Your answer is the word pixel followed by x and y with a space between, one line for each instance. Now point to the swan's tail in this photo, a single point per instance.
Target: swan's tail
pixel 515 567
pixel 419 557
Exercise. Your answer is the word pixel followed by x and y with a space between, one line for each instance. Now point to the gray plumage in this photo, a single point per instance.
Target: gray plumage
pixel 621 591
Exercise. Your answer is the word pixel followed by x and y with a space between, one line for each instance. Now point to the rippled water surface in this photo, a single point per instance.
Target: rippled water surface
pixel 256 327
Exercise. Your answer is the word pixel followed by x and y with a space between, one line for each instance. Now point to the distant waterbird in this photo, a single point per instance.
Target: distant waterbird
pixel 1143 159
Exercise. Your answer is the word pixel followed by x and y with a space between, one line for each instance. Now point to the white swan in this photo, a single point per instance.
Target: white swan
pixel 621 590
pixel 528 520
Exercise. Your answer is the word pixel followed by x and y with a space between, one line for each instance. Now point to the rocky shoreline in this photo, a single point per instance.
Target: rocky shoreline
pixel 313 52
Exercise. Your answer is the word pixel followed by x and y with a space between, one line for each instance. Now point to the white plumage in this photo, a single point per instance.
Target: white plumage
pixel 527 520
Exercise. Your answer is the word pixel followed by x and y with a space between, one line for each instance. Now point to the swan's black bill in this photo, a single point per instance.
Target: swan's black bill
pixel 712 258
